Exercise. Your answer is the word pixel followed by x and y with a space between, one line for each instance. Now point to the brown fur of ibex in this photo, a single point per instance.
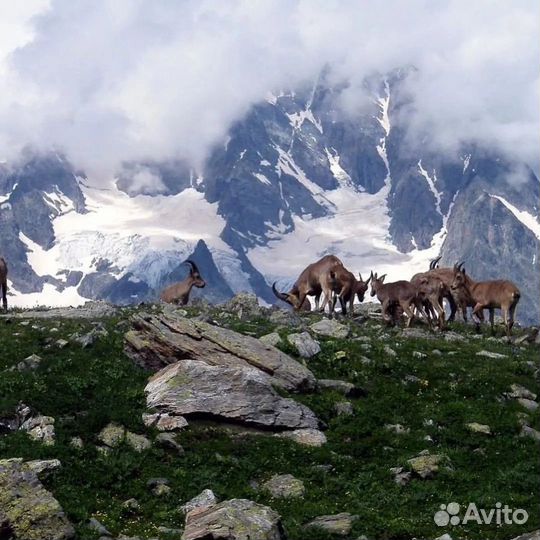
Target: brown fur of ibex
pixel 399 294
pixel 178 293
pixel 495 294
pixel 345 287
pixel 432 290
pixel 3 282
pixel 310 282
pixel 446 275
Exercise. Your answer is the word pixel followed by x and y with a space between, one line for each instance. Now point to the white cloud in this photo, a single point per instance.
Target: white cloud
pixel 127 80
pixel 145 182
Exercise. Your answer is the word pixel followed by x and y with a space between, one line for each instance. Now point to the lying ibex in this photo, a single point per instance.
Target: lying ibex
pixel 178 293
pixel 309 283
pixel 496 294
pixel 3 282
pixel 342 285
pixel 400 294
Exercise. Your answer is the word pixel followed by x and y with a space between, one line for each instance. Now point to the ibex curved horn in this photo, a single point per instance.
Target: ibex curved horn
pixel 460 265
pixel 433 263
pixel 280 295
pixel 194 267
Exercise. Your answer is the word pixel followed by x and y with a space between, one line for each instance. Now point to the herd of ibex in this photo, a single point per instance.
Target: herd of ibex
pixel 423 294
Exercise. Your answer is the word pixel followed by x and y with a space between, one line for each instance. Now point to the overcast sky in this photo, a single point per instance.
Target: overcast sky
pixel 112 80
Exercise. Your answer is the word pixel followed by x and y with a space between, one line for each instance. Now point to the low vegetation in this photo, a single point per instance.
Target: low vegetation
pixel 430 386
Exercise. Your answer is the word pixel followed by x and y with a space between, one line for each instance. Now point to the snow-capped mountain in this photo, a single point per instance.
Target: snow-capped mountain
pixel 295 179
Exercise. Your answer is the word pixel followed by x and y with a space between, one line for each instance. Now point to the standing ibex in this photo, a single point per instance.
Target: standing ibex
pixel 345 287
pixel 178 293
pixel 400 294
pixel 3 282
pixel 310 283
pixel 496 294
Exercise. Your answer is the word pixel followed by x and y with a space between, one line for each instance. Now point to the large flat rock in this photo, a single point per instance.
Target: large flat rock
pixel 237 394
pixel 158 340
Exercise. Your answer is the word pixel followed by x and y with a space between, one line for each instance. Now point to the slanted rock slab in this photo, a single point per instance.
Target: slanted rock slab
pixel 339 524
pixel 236 519
pixel 27 508
pixel 160 339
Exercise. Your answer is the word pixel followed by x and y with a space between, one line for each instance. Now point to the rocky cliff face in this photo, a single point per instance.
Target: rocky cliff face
pixel 295 179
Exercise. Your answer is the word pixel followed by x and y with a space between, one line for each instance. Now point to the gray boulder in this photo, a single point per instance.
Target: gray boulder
pixel 273 339
pixel 284 485
pixel 338 524
pixel 304 344
pixel 236 519
pixel 330 328
pixel 27 510
pixel 235 394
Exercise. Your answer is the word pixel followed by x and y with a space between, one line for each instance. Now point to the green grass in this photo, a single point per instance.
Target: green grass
pixel 84 389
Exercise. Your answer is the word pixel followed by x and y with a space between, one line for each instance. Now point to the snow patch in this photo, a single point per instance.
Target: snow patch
pixel 521 215
pixel 262 178
pixel 337 170
pixel 431 183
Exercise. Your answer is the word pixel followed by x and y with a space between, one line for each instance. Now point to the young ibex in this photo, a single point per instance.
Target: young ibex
pixel 496 294
pixel 3 282
pixel 178 293
pixel 342 285
pixel 400 294
pixel 309 283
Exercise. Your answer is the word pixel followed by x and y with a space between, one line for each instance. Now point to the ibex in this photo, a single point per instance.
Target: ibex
pixel 309 283
pixel 400 294
pixel 496 294
pixel 178 293
pixel 344 287
pixel 3 282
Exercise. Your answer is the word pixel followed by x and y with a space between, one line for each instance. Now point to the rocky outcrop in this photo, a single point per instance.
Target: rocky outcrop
pixel 27 510
pixel 236 519
pixel 216 374
pixel 162 339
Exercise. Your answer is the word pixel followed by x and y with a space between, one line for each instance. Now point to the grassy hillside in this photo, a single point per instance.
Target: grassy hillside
pixel 433 387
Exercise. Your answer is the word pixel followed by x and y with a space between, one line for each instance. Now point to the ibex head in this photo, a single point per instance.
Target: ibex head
pixel 376 282
pixel 290 298
pixel 362 287
pixel 195 275
pixel 460 277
